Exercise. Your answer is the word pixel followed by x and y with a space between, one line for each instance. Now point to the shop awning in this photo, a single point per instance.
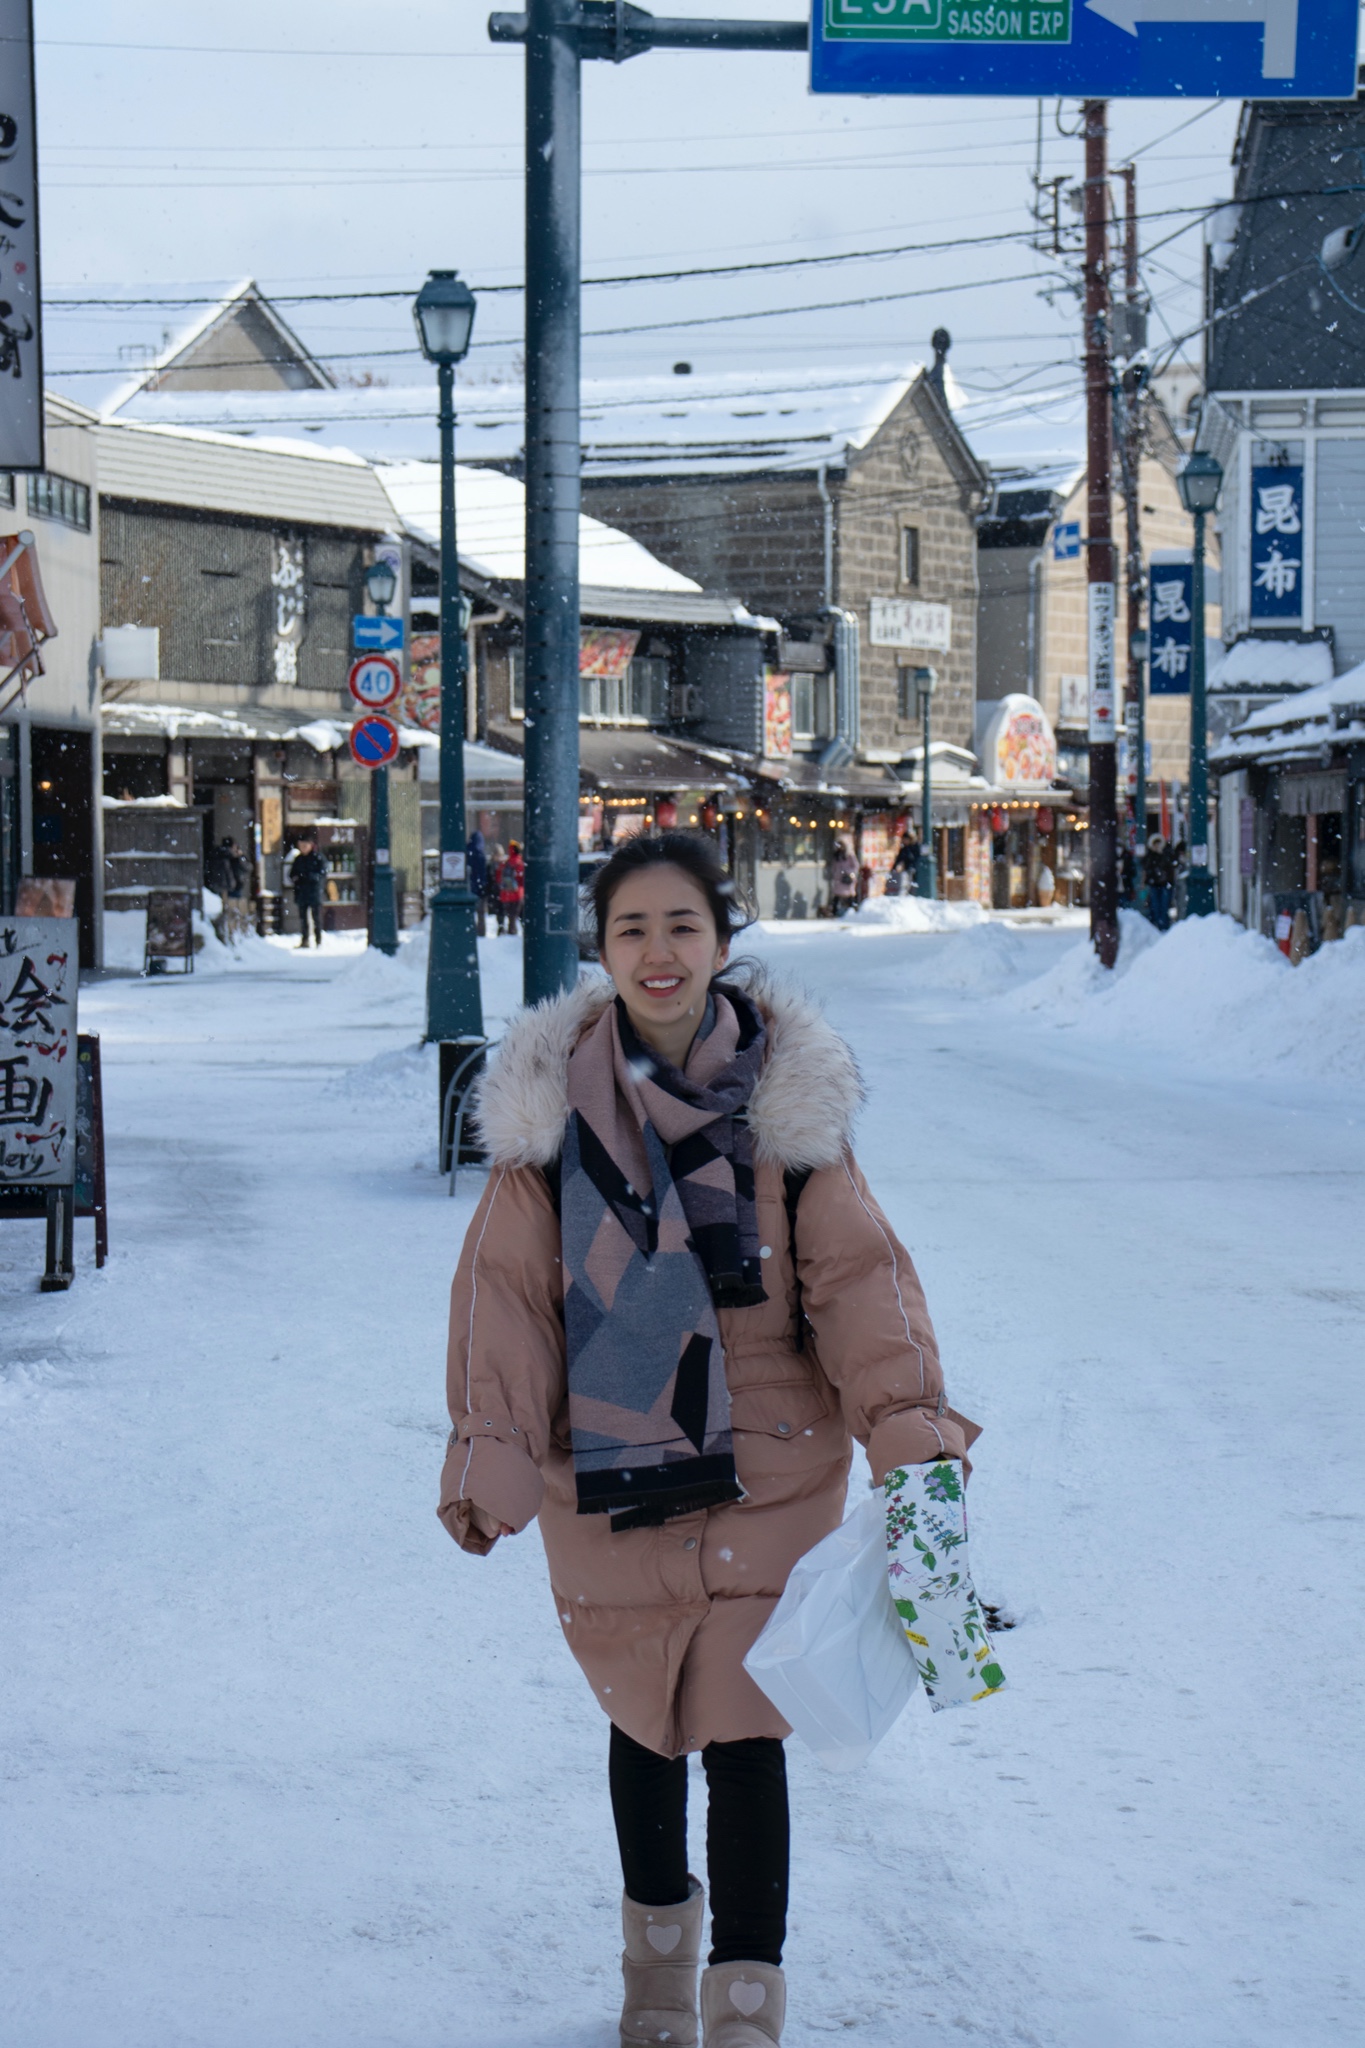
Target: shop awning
pixel 622 761
pixel 802 775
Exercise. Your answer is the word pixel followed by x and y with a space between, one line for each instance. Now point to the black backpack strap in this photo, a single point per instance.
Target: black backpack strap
pixel 794 1180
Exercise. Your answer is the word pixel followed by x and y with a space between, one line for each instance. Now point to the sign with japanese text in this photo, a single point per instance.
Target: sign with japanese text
pixel 287 582
pixel 1277 542
pixel 21 354
pixel 1171 613
pixel 1100 644
pixel 910 622
pixel 38 973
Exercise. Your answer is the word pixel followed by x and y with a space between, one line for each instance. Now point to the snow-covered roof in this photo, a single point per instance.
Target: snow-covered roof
pixel 230 307
pixel 262 479
pixel 1258 663
pixel 490 523
pixel 1305 726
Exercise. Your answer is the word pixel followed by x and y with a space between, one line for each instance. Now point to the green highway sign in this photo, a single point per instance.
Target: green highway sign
pixel 938 21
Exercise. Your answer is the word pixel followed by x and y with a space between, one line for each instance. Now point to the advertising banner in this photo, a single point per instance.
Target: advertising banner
pixel 1277 543
pixel 1101 652
pixel 1170 609
pixel 21 350
pixel 38 973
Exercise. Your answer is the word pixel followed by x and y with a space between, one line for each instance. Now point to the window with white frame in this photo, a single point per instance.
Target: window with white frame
pixel 516 681
pixel 639 697
pixel 812 707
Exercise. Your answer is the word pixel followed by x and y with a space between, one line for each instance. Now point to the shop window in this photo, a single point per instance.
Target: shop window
pixel 6 489
pixel 60 498
pixel 811 707
pixel 909 554
pixel 907 696
pixel 638 697
pixel 516 681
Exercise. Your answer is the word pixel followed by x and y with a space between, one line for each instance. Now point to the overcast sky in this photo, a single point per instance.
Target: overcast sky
pixel 334 147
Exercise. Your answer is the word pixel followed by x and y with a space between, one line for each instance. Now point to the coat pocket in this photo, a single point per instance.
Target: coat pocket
pixel 785 1426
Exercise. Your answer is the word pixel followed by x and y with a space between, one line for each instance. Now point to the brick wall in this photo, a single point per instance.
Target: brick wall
pixel 757 538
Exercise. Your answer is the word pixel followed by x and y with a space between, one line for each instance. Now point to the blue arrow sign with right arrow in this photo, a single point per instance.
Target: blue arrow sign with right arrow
pixel 376 635
pixel 1094 49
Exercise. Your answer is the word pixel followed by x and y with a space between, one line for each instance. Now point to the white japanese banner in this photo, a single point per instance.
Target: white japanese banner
pixel 39 967
pixel 21 358
pixel 1101 656
pixel 910 622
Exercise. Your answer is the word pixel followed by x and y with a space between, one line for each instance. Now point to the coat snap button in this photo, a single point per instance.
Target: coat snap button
pixel 765 1251
pixel 691 1543
pixel 784 1429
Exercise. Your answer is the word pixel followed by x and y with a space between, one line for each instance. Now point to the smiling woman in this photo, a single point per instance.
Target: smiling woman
pixel 677 1306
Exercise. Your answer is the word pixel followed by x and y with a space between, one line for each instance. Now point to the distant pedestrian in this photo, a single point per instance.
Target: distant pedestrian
pixel 864 884
pixel 308 878
pixel 476 875
pixel 511 890
pixel 225 874
pixel 905 867
pixel 495 861
pixel 843 878
pixel 1159 875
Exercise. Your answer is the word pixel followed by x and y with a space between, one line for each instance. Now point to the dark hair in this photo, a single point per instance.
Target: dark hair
pixel 694 853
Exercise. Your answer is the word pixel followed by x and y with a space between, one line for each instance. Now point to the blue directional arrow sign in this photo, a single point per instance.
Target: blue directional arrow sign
pixel 377 636
pixel 1094 49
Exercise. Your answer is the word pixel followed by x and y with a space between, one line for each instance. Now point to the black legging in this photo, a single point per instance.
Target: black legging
pixel 748 1838
pixel 310 906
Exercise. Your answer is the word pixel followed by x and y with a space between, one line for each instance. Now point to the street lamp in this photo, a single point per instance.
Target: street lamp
pixel 381 580
pixel 1199 482
pixel 444 315
pixel 926 875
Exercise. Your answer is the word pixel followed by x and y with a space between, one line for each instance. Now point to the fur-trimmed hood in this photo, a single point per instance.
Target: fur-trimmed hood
pixel 801 1112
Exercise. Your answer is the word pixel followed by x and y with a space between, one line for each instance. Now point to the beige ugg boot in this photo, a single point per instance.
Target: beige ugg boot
pixel 663 1948
pixel 743 2005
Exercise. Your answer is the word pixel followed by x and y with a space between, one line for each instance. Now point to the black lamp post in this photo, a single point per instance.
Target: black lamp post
pixel 926 875
pixel 1200 482
pixel 444 313
pixel 381 580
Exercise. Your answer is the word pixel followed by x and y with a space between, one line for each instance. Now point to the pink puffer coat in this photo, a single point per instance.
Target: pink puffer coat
pixel 660 1619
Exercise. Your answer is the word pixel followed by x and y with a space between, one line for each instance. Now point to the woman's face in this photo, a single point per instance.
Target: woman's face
pixel 661 949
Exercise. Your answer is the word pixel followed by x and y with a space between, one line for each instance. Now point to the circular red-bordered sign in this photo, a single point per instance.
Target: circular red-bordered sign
pixel 374 741
pixel 375 680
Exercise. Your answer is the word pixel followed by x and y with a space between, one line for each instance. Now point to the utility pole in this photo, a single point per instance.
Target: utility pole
pixel 1104 895
pixel 559 35
pixel 1134 380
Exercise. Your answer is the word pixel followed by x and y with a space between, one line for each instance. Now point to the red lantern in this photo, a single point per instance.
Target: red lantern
pixel 1044 820
pixel 665 814
pixel 710 816
pixel 998 820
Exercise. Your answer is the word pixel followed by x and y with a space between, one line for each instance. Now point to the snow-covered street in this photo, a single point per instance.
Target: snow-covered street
pixel 283 1769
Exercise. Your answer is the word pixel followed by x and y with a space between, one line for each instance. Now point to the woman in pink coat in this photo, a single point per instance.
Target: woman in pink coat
pixel 677 1305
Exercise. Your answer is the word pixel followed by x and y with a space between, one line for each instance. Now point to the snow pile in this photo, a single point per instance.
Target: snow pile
pixel 914 914
pixel 1225 995
pixel 980 961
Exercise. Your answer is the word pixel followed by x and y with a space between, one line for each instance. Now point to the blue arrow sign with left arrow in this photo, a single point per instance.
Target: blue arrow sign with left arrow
pixel 1095 49
pixel 377 636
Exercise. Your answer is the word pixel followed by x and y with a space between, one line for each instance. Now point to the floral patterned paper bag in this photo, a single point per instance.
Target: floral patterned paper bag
pixel 931 1585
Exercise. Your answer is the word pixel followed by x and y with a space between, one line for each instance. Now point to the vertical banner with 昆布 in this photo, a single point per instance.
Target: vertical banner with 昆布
pixel 1277 542
pixel 1170 611
pixel 39 966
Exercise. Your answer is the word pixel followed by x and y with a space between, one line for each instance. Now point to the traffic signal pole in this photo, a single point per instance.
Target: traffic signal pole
pixel 558 35
pixel 1104 879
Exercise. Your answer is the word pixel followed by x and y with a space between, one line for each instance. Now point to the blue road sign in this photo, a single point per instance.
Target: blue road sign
pixel 1096 49
pixel 1066 540
pixel 374 741
pixel 376 636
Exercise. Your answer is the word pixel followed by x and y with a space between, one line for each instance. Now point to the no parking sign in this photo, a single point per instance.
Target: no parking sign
pixel 374 741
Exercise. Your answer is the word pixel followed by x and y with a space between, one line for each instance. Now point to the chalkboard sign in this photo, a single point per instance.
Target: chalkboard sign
pixel 39 968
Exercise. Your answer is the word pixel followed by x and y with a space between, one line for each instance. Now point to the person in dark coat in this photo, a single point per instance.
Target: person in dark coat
pixel 1158 872
pixel 476 874
pixel 903 879
pixel 225 873
pixel 308 876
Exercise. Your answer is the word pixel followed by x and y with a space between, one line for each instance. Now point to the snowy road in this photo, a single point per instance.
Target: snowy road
pixel 281 1768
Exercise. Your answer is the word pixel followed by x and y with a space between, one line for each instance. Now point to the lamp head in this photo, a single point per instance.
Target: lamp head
pixel 1200 482
pixel 926 681
pixel 444 314
pixel 381 580
pixel 1140 645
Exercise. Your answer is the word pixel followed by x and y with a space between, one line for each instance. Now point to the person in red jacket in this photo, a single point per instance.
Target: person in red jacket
pixel 511 889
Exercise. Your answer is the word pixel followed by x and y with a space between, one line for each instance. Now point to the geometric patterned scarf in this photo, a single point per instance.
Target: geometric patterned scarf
pixel 659 1230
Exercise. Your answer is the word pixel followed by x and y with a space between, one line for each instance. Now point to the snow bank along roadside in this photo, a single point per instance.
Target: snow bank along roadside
pixel 1215 993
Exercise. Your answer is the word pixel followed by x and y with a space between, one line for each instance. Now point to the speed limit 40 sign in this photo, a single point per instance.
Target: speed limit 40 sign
pixel 375 681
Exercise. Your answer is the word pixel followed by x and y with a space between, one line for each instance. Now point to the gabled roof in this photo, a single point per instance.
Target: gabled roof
pixel 241 344
pixel 292 483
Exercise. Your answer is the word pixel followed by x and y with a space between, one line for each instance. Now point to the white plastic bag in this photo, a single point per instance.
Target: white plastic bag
pixel 833 1658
